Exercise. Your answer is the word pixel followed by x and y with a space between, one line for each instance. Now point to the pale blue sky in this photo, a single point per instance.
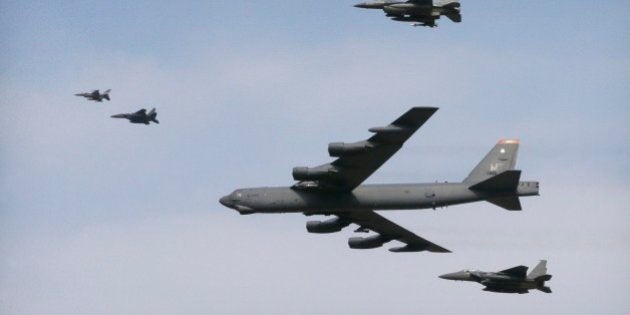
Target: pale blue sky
pixel 100 216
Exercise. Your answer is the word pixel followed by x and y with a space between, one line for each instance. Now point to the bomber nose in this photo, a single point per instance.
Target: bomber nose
pixel 361 5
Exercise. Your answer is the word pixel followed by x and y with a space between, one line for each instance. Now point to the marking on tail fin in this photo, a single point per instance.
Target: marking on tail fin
pixel 502 157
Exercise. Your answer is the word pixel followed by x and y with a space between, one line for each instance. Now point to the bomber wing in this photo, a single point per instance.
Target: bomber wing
pixel 388 231
pixel 357 161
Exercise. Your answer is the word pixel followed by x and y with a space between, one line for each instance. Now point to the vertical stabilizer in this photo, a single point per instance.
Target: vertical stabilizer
pixel 501 158
pixel 106 94
pixel 152 115
pixel 538 271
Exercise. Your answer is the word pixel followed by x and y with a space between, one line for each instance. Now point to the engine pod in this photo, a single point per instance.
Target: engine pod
pixel 339 149
pixel 366 242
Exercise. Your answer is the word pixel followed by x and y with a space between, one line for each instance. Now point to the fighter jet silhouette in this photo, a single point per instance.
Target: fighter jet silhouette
pixel 140 117
pixel 95 95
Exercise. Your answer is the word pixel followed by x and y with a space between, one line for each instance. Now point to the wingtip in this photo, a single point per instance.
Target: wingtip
pixel 431 108
pixel 440 250
pixel 509 141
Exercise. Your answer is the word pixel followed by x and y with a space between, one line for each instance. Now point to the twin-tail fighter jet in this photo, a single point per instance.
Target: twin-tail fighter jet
pixel 140 117
pixel 96 95
pixel 513 280
pixel 334 189
pixel 417 12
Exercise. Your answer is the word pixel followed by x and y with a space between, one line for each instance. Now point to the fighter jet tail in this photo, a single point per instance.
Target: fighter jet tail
pixel 152 115
pixel 545 289
pixel 106 94
pixel 539 272
pixel 454 16
pixel 452 11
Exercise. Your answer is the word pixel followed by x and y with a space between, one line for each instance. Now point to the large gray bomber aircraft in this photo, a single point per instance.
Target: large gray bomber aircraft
pixel 417 12
pixel 513 280
pixel 335 188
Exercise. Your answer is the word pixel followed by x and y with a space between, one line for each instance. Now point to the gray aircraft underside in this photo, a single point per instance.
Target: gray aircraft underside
pixel 513 280
pixel 335 188
pixel 419 12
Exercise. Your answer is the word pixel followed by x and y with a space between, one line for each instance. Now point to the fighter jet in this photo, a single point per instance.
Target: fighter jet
pixel 95 95
pixel 513 280
pixel 334 189
pixel 418 12
pixel 140 117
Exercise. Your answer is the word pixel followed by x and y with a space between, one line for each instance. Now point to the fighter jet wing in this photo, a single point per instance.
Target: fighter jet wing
pixel 389 230
pixel 518 271
pixel 357 161
pixel 142 112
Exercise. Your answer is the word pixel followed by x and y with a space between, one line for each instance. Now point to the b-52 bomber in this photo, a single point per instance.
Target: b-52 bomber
pixel 334 189
pixel 140 117
pixel 95 95
pixel 513 280
pixel 417 12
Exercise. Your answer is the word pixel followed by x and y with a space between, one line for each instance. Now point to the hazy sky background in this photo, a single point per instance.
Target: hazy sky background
pixel 99 216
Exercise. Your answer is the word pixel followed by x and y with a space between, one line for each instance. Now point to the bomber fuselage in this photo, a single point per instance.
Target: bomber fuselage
pixel 368 197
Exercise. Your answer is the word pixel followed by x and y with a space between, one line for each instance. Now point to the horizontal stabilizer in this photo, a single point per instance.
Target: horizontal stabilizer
pixel 543 278
pixel 545 289
pixel 455 17
pixel 506 181
pixel 452 5
pixel 511 203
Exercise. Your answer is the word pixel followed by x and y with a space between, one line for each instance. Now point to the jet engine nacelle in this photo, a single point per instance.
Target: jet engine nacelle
pixel 366 242
pixel 307 173
pixel 338 149
pixel 328 226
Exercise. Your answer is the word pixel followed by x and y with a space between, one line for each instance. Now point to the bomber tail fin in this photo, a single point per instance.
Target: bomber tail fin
pixel 500 159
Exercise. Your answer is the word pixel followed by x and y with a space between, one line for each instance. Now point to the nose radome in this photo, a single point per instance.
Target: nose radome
pixel 225 201
pixel 452 276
